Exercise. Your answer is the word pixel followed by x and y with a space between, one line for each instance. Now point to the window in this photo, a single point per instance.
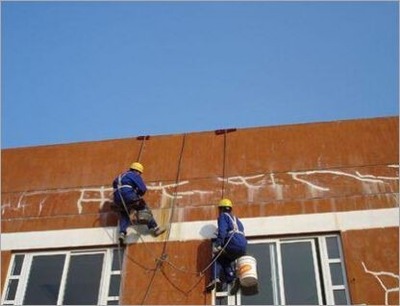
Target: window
pixel 300 271
pixel 78 277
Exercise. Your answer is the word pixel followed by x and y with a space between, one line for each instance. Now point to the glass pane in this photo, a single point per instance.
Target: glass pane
pixel 340 297
pixel 18 260
pixel 83 280
pixel 113 302
pixel 12 289
pixel 265 296
pixel 118 255
pixel 333 247
pixel 336 273
pixel 114 285
pixel 44 280
pixel 221 301
pixel 299 273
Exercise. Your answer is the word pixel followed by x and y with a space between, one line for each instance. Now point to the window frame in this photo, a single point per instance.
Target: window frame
pixel 23 277
pixel 321 263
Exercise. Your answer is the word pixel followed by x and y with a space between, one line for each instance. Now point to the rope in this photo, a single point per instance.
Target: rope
pixel 224 167
pixel 224 132
pixel 163 257
pixel 200 274
pixel 143 139
pixel 175 192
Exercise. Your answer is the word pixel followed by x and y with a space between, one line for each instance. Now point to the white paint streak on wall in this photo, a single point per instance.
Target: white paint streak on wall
pixel 102 199
pixel 385 288
pixel 377 177
pixel 363 178
pixel 5 206
pixel 41 204
pixel 272 176
pixel 237 180
pixel 296 178
pixel 163 188
pixel 22 199
pixel 22 203
pixel 244 180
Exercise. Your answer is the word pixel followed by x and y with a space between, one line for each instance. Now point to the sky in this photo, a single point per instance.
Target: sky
pixel 90 71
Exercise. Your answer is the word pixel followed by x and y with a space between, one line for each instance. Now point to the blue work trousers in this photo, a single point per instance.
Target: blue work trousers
pixel 223 267
pixel 125 210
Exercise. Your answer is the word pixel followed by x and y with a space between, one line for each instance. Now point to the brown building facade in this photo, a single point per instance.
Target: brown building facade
pixel 319 203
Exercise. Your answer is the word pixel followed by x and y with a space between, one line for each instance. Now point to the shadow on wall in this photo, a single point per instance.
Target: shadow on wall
pixel 108 214
pixel 204 253
pixel 204 256
pixel 208 231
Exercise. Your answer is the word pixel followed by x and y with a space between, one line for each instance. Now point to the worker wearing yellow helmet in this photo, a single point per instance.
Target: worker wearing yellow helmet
pixel 129 188
pixel 230 244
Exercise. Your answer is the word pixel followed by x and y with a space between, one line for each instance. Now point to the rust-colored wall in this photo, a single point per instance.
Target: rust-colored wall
pixel 50 187
pixel 269 171
pixel 372 257
pixel 280 149
pixel 5 262
pixel 177 281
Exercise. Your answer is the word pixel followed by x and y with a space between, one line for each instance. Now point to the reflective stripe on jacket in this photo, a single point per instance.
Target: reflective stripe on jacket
pixel 129 185
pixel 230 225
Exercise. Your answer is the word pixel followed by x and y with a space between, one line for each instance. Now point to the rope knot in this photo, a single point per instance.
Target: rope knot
pixel 161 259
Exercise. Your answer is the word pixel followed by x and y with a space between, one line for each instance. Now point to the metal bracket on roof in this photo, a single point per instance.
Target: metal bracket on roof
pixel 225 131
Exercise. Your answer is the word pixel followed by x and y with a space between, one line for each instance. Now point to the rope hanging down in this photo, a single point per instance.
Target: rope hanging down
pixel 224 132
pixel 175 192
pixel 163 258
pixel 143 139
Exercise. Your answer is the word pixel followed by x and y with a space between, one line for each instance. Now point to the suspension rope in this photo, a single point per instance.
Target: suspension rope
pixel 224 132
pixel 215 258
pixel 163 258
pixel 143 139
pixel 175 192
pixel 224 168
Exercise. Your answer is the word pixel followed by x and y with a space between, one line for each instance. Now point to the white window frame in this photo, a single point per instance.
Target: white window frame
pixel 277 269
pixel 23 278
pixel 279 243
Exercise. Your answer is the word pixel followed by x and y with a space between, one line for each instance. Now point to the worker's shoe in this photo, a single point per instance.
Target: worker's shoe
pixel 214 283
pixel 158 231
pixel 235 287
pixel 121 238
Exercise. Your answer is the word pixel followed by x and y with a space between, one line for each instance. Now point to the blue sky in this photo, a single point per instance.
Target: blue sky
pixel 84 71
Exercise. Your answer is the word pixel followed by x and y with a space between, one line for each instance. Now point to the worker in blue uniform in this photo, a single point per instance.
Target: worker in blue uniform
pixel 129 188
pixel 230 244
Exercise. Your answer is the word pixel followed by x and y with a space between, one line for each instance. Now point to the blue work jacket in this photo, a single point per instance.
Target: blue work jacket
pixel 129 185
pixel 226 228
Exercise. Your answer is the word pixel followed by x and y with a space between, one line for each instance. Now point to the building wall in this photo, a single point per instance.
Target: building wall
pixel 271 173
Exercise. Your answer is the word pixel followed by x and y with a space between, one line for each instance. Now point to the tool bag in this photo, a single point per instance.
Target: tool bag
pixel 143 216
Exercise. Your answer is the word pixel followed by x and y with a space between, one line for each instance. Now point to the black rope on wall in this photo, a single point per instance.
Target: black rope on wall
pixel 164 256
pixel 224 132
pixel 143 139
pixel 175 189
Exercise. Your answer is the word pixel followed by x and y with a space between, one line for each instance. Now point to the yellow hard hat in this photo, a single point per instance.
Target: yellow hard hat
pixel 225 203
pixel 137 166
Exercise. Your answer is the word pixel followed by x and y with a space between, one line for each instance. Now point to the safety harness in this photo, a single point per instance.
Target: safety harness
pixel 234 224
pixel 143 216
pixel 120 185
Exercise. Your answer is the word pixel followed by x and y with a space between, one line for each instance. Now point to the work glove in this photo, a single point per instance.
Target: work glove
pixel 216 249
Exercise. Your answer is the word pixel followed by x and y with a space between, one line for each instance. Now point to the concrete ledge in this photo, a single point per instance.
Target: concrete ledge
pixel 200 230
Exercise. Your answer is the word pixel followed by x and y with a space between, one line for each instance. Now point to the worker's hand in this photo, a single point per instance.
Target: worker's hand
pixel 216 249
